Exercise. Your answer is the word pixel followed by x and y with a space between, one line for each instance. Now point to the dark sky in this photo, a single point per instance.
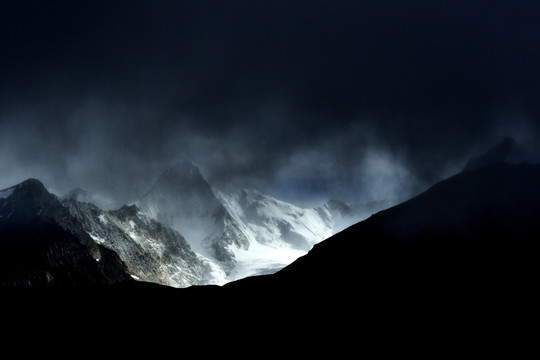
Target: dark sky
pixel 302 99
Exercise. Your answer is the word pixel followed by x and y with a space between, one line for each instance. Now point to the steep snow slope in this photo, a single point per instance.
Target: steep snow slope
pixel 272 222
pixel 278 232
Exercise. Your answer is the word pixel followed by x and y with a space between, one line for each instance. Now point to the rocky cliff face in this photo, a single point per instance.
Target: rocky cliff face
pixel 42 244
pixel 151 251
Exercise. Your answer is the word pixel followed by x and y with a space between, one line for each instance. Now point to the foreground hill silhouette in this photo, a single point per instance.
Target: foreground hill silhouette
pixel 461 258
pixel 471 234
pixel 469 243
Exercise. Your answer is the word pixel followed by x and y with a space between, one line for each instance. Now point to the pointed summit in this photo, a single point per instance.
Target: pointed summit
pixel 185 167
pixel 32 185
pixel 181 177
pixel 182 198
pixel 184 183
pixel 27 198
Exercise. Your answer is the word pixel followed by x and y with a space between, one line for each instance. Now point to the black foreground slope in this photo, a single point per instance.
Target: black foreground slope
pixel 466 247
pixel 483 223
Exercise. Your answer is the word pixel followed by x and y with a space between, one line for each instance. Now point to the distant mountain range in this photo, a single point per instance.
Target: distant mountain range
pixel 244 233
pixel 182 232
pixel 458 261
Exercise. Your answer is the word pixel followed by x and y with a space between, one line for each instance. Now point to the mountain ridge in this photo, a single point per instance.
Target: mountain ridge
pixel 42 244
pixel 234 230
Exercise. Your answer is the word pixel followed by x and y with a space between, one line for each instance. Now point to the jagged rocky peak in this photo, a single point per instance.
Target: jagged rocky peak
pixel 30 186
pixel 28 198
pixel 128 210
pixel 182 199
pixel 42 244
pixel 183 175
pixel 181 189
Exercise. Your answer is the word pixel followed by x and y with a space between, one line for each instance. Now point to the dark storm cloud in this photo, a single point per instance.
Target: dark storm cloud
pixel 305 99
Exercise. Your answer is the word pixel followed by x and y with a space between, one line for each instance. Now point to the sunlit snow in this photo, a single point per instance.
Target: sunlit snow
pixel 262 259
pixel 102 219
pixel 97 238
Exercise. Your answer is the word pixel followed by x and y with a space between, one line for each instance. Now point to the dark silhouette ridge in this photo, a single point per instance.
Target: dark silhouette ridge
pixel 455 266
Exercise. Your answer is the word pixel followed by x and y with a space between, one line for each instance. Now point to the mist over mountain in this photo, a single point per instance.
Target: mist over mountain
pixel 183 232
pixel 300 119
pixel 244 233
pixel 455 255
pixel 304 101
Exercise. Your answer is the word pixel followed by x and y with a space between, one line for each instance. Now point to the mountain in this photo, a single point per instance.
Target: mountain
pixel 152 252
pixel 471 240
pixel 453 269
pixel 48 241
pixel 229 236
pixel 277 232
pixel 42 244
pixel 456 265
pixel 244 233
pixel 182 199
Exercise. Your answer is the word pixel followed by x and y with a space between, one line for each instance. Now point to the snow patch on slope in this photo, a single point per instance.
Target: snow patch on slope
pixel 262 259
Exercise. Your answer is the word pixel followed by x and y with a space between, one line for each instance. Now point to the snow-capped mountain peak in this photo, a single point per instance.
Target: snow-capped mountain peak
pixel 183 199
pixel 183 232
pixel 245 232
pixel 278 232
pixel 272 221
